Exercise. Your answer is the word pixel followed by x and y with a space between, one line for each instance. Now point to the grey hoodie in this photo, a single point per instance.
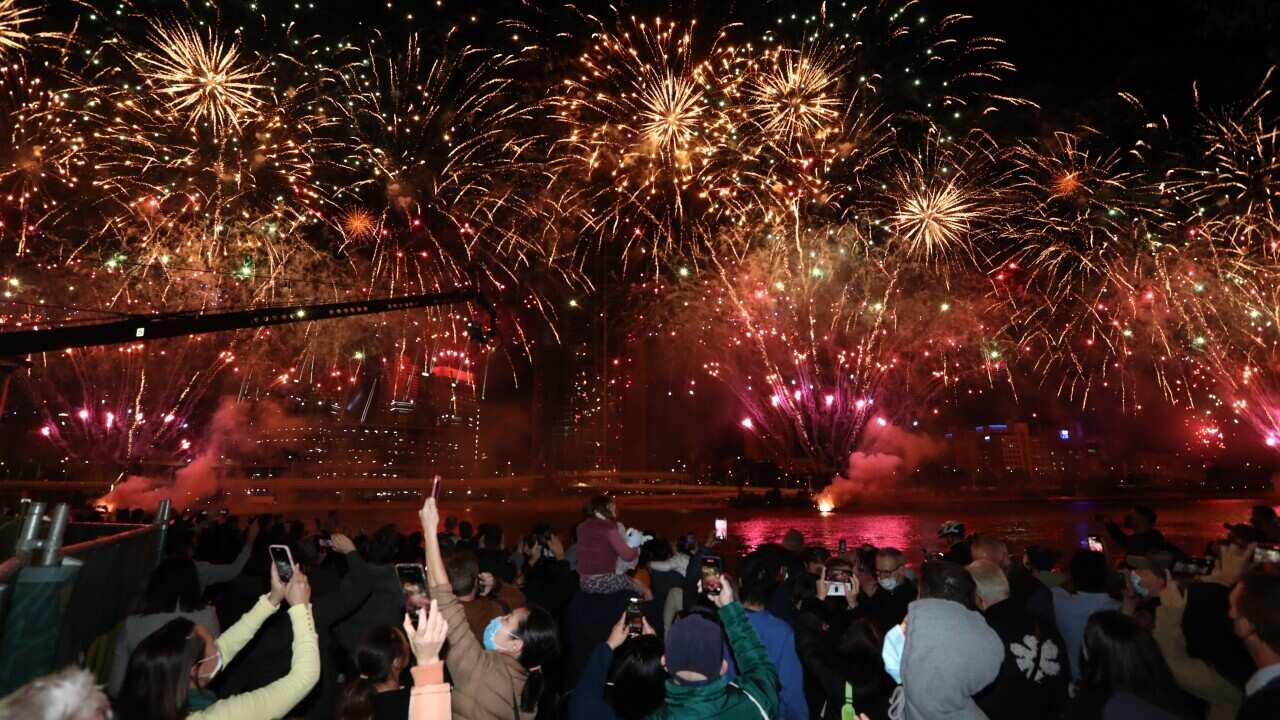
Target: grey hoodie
pixel 950 654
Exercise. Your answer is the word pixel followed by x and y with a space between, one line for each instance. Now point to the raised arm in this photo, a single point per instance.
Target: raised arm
pixel 465 658
pixel 210 574
pixel 756 674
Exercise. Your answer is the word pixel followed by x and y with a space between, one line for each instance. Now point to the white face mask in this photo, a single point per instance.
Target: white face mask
pixel 894 642
pixel 889 583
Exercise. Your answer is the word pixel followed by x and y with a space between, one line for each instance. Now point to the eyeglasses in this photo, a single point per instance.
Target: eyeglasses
pixel 886 573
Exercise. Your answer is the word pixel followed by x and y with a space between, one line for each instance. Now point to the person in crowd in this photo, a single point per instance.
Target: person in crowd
pixel 887 599
pixel 1033 676
pixel 464 577
pixel 68 694
pixel 1144 539
pixel 623 679
pixel 694 660
pixel 850 674
pixel 385 602
pixel 547 580
pixel 1263 519
pixel 1255 616
pixel 209 573
pixel 493 558
pixel 759 580
pixel 449 535
pixel 269 656
pixel 1071 610
pixel 1042 562
pixel 949 653
pixel 501 675
pixel 1124 675
pixel 173 591
pixel 1024 588
pixel 600 546
pixel 1207 625
pixel 466 536
pixel 1193 675
pixel 507 594
pixel 793 541
pixel 169 672
pixel 951 533
pixel 374 691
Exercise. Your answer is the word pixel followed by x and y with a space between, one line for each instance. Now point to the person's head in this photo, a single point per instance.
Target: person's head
pixel 814 560
pixel 760 574
pixel 890 567
pixel 944 580
pixel 381 656
pixel 309 554
pixel 654 550
pixel 172 586
pixel 1089 571
pixel 163 668
pixel 69 694
pixel 490 536
pixel 1255 615
pixel 1148 573
pixel 464 530
pixel 1141 518
pixel 863 640
pixel 637 679
pixel 793 541
pixel 992 549
pixel 450 523
pixel 1120 655
pixel 694 650
pixel 603 507
pixel 383 546
pixel 951 532
pixel 1262 517
pixel 464 571
pixel 1040 559
pixel 839 569
pixel 992 585
pixel 530 635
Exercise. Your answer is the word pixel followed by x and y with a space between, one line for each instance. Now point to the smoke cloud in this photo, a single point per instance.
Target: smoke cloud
pixel 232 430
pixel 886 453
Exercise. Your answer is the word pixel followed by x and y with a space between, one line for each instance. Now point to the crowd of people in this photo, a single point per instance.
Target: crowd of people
pixel 452 620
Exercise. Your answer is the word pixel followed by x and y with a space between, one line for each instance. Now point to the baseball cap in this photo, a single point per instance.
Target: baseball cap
pixel 695 643
pixel 1158 562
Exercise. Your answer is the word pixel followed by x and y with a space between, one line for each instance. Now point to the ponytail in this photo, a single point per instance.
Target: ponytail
pixel 541 640
pixel 375 660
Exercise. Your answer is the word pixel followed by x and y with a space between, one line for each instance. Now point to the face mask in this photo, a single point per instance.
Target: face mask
pixel 1138 587
pixel 894 641
pixel 491 635
pixel 889 583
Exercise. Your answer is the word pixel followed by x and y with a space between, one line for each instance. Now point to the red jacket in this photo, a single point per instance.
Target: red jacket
pixel 599 547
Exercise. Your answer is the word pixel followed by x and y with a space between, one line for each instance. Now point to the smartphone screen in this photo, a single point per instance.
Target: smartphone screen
pixel 436 482
pixel 722 528
pixel 635 618
pixel 283 560
pixel 1266 554
pixel 1095 543
pixel 711 572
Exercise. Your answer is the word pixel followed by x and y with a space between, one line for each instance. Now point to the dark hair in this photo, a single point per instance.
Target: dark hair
pixel 863 663
pixel 491 535
pixel 1259 603
pixel 816 555
pixel 758 574
pixel 1089 571
pixel 374 659
pixel 382 546
pixel 947 581
pixel 159 675
pixel 464 530
pixel 451 522
pixel 1146 512
pixel 1122 656
pixel 464 570
pixel 173 585
pixel 654 549
pixel 541 645
pixel 637 679
pixel 599 505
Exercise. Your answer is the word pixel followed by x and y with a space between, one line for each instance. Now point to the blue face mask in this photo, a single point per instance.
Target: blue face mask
pixel 1138 587
pixel 491 635
pixel 894 641
pixel 889 583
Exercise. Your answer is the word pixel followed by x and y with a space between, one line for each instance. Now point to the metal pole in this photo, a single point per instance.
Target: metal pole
pixel 162 513
pixel 30 529
pixel 162 527
pixel 52 545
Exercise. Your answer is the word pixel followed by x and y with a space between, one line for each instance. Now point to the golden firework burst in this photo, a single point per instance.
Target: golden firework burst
pixel 12 19
pixel 359 224
pixel 201 77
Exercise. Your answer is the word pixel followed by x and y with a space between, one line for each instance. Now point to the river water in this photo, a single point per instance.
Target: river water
pixel 1062 524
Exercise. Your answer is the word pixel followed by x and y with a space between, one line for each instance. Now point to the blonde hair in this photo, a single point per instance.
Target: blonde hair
pixel 990 580
pixel 68 694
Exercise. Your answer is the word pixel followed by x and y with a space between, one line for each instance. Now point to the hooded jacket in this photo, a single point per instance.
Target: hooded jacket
pixel 950 655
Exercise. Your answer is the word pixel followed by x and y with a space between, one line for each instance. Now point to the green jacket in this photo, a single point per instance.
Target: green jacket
pixel 756 676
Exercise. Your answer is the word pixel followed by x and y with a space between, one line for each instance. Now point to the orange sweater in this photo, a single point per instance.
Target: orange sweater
pixel 429 698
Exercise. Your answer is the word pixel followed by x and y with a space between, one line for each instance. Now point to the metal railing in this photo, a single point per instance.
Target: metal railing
pixel 55 600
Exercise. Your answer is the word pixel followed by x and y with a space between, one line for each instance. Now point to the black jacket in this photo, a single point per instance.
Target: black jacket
pixel 1263 704
pixel 1034 676
pixel 1210 635
pixel 888 607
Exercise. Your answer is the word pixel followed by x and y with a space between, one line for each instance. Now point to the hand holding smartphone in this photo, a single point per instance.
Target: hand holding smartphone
pixel 712 571
pixel 436 482
pixel 635 618
pixel 283 560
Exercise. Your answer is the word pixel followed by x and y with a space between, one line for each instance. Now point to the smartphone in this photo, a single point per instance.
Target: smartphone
pixel 712 570
pixel 635 618
pixel 283 560
pixel 838 583
pixel 324 542
pixel 1095 543
pixel 1197 566
pixel 436 482
pixel 843 546
pixel 722 528
pixel 1266 554
pixel 413 584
